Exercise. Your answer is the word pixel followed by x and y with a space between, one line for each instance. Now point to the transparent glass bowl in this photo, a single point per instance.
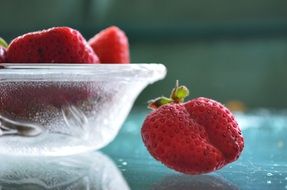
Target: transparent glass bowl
pixel 63 109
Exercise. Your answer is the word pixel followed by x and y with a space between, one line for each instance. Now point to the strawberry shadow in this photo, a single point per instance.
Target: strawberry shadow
pixel 199 182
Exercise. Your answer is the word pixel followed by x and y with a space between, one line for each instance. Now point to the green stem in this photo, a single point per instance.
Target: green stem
pixel 178 94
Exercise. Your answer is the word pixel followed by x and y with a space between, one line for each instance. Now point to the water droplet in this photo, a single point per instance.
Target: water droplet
pixel 268 182
pixel 280 144
pixel 269 174
pixel 120 160
pixel 124 163
pixel 285 178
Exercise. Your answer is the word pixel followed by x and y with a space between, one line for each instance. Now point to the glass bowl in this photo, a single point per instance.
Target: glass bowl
pixel 64 109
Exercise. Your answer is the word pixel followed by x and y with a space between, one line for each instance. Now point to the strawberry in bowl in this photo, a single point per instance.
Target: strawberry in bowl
pixel 59 45
pixel 54 45
pixel 111 45
pixel 58 95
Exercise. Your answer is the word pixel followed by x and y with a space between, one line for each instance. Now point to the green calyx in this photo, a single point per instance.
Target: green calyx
pixel 156 103
pixel 3 43
pixel 177 95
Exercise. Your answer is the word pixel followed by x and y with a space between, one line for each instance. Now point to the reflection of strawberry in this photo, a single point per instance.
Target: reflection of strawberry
pixel 111 45
pixel 55 45
pixel 195 137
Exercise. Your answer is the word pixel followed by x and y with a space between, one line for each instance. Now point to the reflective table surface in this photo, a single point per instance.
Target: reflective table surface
pixel 125 163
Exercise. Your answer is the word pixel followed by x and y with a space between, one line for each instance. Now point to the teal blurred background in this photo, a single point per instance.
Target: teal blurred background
pixel 226 50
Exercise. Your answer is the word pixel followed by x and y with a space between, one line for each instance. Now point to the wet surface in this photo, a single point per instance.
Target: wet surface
pixel 126 164
pixel 93 170
pixel 262 165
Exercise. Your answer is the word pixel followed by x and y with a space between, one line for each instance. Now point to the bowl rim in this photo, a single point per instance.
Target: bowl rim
pixel 43 71
pixel 70 65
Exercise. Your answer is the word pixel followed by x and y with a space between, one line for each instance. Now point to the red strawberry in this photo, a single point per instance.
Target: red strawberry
pixel 55 45
pixel 111 45
pixel 195 137
pixel 29 98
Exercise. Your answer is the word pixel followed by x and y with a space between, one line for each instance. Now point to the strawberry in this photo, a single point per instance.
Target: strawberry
pixel 54 45
pixel 3 46
pixel 111 45
pixel 195 137
pixel 30 98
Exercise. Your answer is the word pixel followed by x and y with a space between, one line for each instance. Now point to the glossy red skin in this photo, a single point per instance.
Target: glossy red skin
pixel 2 55
pixel 196 137
pixel 111 45
pixel 55 45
